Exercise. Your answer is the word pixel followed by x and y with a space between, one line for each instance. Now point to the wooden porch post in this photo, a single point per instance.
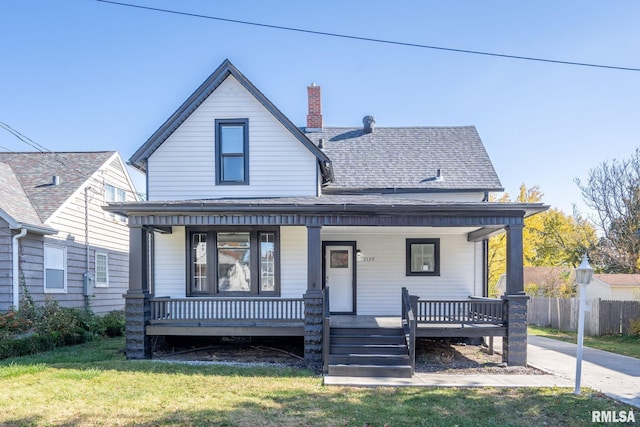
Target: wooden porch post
pixel 137 307
pixel 313 298
pixel 514 351
pixel 515 275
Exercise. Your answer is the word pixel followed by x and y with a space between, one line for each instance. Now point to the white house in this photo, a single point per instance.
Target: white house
pixel 250 219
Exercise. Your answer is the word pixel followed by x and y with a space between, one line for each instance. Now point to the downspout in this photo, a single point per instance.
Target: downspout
pixel 16 268
pixel 87 275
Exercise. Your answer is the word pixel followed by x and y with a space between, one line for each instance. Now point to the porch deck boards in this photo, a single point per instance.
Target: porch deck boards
pixel 423 330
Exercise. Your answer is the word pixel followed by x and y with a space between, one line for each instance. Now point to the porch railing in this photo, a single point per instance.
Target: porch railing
pixel 326 331
pixel 175 310
pixel 409 327
pixel 484 311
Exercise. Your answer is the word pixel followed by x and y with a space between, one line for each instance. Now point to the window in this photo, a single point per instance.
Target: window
pixel 232 151
pixel 233 262
pixel 114 194
pixel 55 269
pixel 102 270
pixel 423 257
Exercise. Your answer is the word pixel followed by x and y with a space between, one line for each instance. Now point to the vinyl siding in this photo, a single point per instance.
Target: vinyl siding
pixel 6 284
pixel 170 263
pixel 183 167
pixel 293 262
pixel 105 235
pixel 170 267
pixel 379 281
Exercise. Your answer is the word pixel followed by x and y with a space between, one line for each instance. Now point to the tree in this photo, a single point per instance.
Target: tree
pixel 612 190
pixel 550 238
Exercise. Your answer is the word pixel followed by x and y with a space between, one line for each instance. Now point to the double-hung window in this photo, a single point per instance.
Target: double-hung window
pixel 233 262
pixel 232 151
pixel 102 270
pixel 423 257
pixel 55 269
pixel 114 194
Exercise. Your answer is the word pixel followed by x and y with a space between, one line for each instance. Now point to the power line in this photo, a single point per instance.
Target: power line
pixel 374 40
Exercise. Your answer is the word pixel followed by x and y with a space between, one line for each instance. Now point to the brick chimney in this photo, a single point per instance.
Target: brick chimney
pixel 314 118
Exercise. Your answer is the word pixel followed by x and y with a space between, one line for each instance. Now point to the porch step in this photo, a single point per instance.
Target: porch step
pixel 367 351
pixel 369 359
pixel 370 371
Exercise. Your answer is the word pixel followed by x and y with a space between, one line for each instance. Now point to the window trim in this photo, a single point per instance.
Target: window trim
pixel 436 256
pixel 120 195
pixel 104 284
pixel 219 123
pixel 212 266
pixel 62 290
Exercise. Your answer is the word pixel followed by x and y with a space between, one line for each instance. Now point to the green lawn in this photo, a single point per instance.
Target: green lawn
pixel 92 384
pixel 626 345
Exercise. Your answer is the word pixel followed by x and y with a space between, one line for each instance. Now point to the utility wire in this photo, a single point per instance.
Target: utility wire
pixel 370 39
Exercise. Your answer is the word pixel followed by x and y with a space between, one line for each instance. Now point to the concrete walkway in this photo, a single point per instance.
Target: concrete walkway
pixel 616 376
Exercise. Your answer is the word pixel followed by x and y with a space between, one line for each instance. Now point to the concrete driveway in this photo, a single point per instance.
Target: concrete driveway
pixel 615 375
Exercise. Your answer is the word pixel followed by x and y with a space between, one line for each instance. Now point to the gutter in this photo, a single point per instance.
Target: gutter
pixel 16 267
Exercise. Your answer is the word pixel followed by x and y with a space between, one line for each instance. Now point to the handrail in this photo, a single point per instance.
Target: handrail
pixel 326 331
pixel 168 310
pixel 409 327
pixel 464 312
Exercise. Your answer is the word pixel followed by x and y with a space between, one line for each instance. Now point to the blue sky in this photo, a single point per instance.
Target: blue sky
pixel 85 75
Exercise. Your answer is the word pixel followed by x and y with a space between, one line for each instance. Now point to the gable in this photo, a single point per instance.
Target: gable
pixel 226 69
pixel 184 165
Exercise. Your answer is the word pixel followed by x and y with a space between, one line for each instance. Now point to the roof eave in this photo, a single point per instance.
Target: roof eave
pixel 139 158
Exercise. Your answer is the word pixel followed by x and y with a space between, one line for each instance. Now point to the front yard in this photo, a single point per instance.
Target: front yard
pixel 626 345
pixel 92 384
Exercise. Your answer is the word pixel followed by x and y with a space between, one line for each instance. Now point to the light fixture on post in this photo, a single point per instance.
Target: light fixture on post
pixel 584 273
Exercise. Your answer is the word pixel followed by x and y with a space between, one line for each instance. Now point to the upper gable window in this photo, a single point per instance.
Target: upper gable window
pixel 232 151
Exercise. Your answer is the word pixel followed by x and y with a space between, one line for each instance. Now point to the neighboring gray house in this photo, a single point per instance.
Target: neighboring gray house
pixel 55 238
pixel 250 220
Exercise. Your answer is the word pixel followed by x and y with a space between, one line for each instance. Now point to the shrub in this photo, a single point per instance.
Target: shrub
pixel 634 327
pixel 114 323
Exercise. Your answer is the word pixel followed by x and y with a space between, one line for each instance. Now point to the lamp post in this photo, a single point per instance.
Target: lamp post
pixel 584 273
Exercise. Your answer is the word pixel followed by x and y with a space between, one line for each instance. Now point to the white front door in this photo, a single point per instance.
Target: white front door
pixel 339 277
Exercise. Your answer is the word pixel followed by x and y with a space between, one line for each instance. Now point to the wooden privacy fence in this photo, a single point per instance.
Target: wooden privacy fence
pixel 603 316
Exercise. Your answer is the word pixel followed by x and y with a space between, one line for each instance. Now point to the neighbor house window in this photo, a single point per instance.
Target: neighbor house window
pixel 55 269
pixel 232 151
pixel 233 262
pixel 102 270
pixel 114 194
pixel 423 257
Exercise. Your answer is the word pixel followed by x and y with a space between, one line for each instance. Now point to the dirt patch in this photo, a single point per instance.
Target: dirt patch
pixel 432 355
pixel 458 357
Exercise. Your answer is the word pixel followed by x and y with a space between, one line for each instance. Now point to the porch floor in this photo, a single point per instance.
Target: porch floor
pixel 424 330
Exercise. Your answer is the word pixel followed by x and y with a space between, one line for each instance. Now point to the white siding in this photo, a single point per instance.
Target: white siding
pixel 293 262
pixel 170 264
pixel 183 167
pixel 379 281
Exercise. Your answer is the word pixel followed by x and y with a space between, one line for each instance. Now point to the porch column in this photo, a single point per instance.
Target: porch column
pixel 313 298
pixel 514 351
pixel 137 307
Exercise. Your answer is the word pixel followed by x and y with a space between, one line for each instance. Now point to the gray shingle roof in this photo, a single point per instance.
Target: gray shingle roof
pixel 34 172
pixel 13 200
pixel 407 158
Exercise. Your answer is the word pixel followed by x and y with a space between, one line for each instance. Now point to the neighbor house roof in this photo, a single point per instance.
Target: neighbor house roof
pixel 629 280
pixel 139 158
pixel 34 173
pixel 393 159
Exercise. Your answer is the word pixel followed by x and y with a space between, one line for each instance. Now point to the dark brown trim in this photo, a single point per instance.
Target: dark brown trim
pixel 354 269
pixel 436 256
pixel 212 273
pixel 219 123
